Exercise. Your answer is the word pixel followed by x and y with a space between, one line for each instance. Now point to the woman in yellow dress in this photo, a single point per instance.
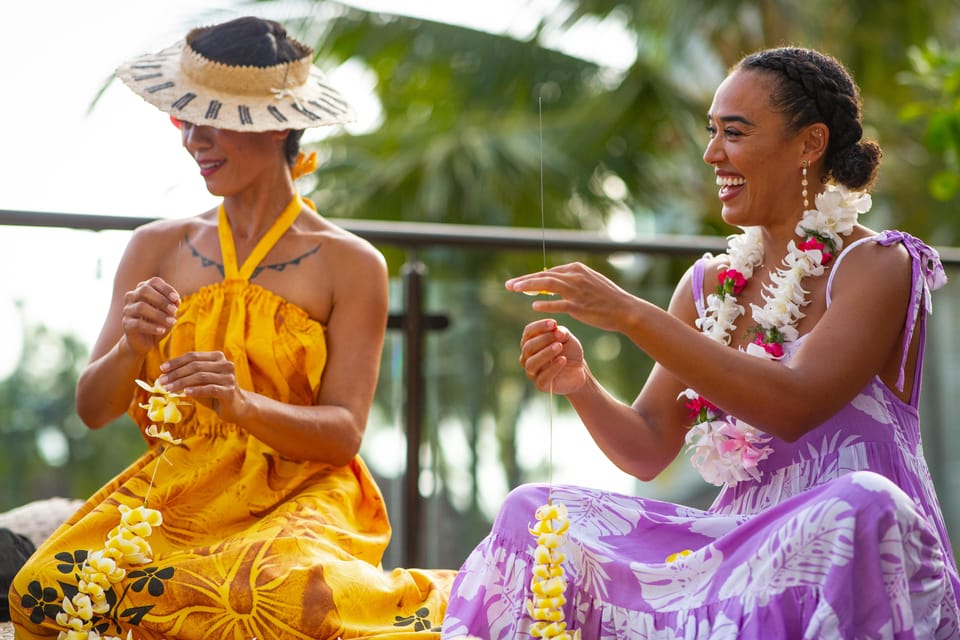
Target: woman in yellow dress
pixel 255 332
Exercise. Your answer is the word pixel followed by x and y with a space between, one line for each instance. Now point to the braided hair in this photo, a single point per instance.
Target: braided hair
pixel 812 87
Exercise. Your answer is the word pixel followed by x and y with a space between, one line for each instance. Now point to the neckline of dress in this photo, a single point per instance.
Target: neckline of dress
pixel 228 249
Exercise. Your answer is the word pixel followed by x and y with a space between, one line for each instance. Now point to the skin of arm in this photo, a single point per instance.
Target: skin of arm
pixel 642 438
pixel 142 310
pixel 331 430
pixel 855 339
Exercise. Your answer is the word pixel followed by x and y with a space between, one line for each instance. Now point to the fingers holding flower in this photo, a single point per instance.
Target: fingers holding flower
pixel 207 376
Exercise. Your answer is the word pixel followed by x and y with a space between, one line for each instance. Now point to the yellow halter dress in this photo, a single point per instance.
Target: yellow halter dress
pixel 252 545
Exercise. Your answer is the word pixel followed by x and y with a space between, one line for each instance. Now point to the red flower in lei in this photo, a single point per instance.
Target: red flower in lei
pixel 700 409
pixel 813 243
pixel 731 281
pixel 772 345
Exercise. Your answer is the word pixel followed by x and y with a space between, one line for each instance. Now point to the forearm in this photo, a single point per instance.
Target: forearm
pixel 325 433
pixel 783 405
pixel 628 438
pixel 106 386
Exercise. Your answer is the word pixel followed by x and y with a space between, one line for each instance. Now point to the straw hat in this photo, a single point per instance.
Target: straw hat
pixel 181 82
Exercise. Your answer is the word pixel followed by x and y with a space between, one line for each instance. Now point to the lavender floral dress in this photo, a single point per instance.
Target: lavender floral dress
pixel 842 537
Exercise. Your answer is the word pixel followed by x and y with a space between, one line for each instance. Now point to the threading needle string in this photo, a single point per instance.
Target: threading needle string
pixel 543 224
pixel 176 273
pixel 543 244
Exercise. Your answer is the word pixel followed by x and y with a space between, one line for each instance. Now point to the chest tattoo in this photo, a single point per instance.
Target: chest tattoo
pixel 277 266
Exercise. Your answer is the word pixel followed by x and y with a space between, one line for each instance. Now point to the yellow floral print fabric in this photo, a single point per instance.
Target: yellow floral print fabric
pixel 253 545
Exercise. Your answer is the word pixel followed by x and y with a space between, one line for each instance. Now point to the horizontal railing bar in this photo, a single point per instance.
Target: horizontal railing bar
pixel 416 234
pixel 427 234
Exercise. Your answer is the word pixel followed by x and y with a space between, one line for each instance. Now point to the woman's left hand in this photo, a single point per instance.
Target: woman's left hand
pixel 580 292
pixel 206 376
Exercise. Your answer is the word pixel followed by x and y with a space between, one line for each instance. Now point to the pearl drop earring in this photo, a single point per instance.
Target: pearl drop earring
pixel 803 183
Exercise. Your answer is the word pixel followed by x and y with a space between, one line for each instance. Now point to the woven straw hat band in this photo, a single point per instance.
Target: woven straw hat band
pixel 250 81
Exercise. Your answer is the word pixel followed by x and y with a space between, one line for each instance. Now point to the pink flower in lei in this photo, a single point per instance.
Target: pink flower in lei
pixel 724 449
pixel 727 450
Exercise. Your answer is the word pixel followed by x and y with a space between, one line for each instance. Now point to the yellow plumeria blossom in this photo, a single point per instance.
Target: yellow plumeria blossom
pixel 140 515
pixel 90 635
pixel 102 569
pixel 163 406
pixel 76 612
pixel 549 582
pixel 126 543
pixel 154 432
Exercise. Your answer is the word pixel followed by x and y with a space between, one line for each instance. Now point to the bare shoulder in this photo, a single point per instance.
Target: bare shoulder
pixel 682 302
pixel 711 264
pixel 348 273
pixel 874 257
pixel 871 265
pixel 345 247
pixel 167 231
pixel 155 244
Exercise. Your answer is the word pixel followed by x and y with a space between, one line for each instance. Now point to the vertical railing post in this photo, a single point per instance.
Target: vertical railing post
pixel 413 272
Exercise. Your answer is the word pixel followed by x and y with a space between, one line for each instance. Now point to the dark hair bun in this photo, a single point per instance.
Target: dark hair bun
pixel 812 87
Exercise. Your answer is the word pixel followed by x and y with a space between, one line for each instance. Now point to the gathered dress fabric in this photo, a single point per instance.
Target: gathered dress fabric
pixel 841 537
pixel 253 544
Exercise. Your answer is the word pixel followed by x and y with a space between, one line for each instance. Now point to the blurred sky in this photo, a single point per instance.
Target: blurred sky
pixel 122 157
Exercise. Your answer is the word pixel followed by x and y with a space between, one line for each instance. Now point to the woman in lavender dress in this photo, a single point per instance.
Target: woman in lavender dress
pixel 789 368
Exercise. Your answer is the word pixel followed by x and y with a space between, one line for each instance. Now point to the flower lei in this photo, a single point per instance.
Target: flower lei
pixel 726 450
pixel 549 582
pixel 83 614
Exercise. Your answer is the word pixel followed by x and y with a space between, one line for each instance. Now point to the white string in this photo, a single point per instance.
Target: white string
pixel 543 243
pixel 543 224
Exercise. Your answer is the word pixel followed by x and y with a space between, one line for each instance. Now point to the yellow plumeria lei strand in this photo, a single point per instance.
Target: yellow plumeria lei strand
pixel 126 544
pixel 549 581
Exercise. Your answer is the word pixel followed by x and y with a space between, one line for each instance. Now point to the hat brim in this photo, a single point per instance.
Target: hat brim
pixel 159 79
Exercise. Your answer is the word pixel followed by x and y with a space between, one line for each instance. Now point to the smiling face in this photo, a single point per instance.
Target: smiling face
pixel 756 159
pixel 231 161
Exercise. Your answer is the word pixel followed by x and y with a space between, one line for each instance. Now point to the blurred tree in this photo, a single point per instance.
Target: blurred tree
pixel 45 450
pixel 935 77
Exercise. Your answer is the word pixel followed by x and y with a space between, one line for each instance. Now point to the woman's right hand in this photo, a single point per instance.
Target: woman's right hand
pixel 149 312
pixel 552 357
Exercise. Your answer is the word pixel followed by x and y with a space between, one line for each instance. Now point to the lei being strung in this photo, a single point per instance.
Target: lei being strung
pixel 95 605
pixel 726 450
